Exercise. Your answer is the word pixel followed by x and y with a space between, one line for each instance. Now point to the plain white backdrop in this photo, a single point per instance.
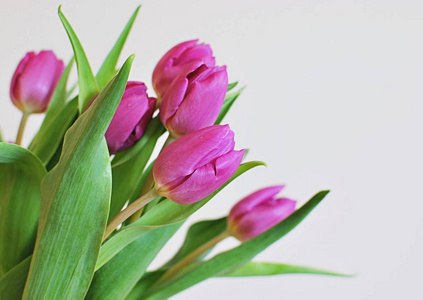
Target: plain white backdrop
pixel 333 101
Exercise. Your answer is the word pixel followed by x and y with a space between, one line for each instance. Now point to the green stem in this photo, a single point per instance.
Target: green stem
pixel 21 128
pixel 192 257
pixel 129 211
pixel 148 185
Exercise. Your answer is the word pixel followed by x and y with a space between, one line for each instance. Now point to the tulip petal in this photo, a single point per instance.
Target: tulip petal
pixel 206 179
pixel 264 216
pixel 249 203
pixel 192 151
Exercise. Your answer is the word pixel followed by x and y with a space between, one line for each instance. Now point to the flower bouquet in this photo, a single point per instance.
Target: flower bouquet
pixel 85 208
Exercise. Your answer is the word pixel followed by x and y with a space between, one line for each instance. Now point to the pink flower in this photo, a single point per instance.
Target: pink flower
pixel 131 118
pixel 35 80
pixel 259 212
pixel 197 164
pixel 194 101
pixel 180 60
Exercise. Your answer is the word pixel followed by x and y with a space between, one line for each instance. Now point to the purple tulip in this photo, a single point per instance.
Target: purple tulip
pixel 181 59
pixel 35 80
pixel 197 164
pixel 194 101
pixel 258 212
pixel 131 118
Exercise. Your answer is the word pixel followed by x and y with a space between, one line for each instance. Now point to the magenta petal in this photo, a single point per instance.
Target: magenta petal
pixel 202 102
pixel 194 150
pixel 206 179
pixel 264 217
pixel 248 203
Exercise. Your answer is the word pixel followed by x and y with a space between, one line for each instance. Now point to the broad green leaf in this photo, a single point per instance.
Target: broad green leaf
pixel 268 269
pixel 116 279
pixel 108 68
pixel 75 203
pixel 128 175
pixel 12 284
pixel 51 134
pixel 229 101
pixel 165 213
pixel 88 87
pixel 21 173
pixel 144 284
pixel 197 235
pixel 232 85
pixel 59 117
pixel 235 257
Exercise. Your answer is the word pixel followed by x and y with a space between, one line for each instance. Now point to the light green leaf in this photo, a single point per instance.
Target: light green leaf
pixel 232 85
pixel 229 101
pixel 88 87
pixel 75 203
pixel 21 173
pixel 128 174
pixel 197 235
pixel 165 213
pixel 235 257
pixel 51 134
pixel 268 269
pixel 108 68
pixel 116 279
pixel 1 136
pixel 12 284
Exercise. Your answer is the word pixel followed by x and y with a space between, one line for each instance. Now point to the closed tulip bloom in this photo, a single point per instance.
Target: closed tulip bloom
pixel 181 59
pixel 194 101
pixel 35 80
pixel 131 118
pixel 258 212
pixel 197 164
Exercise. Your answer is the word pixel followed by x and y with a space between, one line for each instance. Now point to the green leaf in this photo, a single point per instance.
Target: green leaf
pixel 51 134
pixel 108 68
pixel 75 203
pixel 13 283
pixel 116 279
pixel 88 87
pixel 165 213
pixel 232 85
pixel 21 173
pixel 1 136
pixel 197 235
pixel 229 101
pixel 128 174
pixel 144 284
pixel 268 269
pixel 235 257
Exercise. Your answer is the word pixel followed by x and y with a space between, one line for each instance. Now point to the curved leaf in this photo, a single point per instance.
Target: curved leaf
pixel 165 213
pixel 229 101
pixel 21 173
pixel 88 87
pixel 75 204
pixel 108 68
pixel 238 256
pixel 269 269
pixel 13 283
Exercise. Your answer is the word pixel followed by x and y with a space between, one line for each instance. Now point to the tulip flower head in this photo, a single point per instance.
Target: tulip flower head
pixel 35 80
pixel 258 212
pixel 197 164
pixel 180 60
pixel 131 118
pixel 194 101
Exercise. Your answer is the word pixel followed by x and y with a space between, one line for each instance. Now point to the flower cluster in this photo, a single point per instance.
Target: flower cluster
pixel 96 216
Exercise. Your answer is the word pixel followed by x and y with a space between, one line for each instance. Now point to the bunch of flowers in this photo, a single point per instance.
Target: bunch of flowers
pixel 84 209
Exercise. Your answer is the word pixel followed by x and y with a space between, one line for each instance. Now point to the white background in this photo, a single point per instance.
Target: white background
pixel 333 100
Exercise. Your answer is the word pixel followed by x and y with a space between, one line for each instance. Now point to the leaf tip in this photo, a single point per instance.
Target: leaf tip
pixel 59 9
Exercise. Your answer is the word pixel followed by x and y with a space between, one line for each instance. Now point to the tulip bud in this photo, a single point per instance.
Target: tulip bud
pixel 194 101
pixel 131 118
pixel 35 80
pixel 181 59
pixel 197 164
pixel 258 212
